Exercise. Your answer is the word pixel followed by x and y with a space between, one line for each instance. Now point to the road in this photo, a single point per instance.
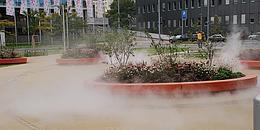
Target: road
pixel 145 43
pixel 42 95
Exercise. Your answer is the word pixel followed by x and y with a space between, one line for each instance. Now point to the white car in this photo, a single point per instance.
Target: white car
pixel 254 36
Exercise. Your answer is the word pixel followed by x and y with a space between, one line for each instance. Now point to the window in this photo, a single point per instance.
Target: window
pixel 163 7
pixel 199 21
pixel 174 23
pixel 148 8
pixel 234 19
pixel 144 25
pixel 169 6
pixel 186 4
pixel 252 0
pixel 243 1
pixel 139 10
pixel 199 3
pixel 226 19
pixel 174 5
pixel 144 8
pixel 235 1
pixel 191 22
pixel 243 18
pixel 192 3
pixel 227 2
pixel 154 24
pixel 180 5
pixel 205 2
pixel 186 22
pixel 148 25
pixel 180 23
pixel 205 21
pixel 212 19
pixel 169 23
pixel 153 8
pixel 252 20
pixel 219 2
pixel 212 2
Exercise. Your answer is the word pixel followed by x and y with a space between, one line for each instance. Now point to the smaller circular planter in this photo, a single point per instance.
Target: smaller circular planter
pixel 80 61
pixel 251 63
pixel 21 60
pixel 181 88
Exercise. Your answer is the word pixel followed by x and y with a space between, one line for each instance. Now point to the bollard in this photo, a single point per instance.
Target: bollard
pixel 257 113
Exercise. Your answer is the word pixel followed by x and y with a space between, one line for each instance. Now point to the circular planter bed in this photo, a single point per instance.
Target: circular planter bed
pixel 250 58
pixel 251 63
pixel 21 60
pixel 181 88
pixel 80 61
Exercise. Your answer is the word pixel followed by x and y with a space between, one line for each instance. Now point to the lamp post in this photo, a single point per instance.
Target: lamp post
pixel 118 11
pixel 159 20
pixel 67 27
pixel 208 22
pixel 64 30
pixel 63 23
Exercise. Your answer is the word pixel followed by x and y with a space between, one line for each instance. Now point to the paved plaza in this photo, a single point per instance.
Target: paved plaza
pixel 42 95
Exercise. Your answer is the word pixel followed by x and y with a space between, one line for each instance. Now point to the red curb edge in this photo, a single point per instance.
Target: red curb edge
pixel 248 81
pixel 251 63
pixel 21 60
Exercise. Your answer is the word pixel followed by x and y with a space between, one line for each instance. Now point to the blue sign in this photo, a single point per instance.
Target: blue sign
pixel 184 15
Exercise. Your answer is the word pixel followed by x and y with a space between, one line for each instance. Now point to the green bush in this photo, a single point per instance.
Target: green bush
pixel 168 71
pixel 226 73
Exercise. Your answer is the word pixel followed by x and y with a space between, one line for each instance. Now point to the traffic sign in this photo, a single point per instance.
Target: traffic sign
pixel 184 14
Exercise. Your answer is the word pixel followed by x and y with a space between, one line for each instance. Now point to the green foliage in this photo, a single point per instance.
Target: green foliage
pixel 76 53
pixel 8 53
pixel 167 71
pixel 226 73
pixel 216 27
pixel 127 12
pixel 119 46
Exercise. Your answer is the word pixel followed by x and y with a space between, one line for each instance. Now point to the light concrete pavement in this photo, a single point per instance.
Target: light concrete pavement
pixel 42 95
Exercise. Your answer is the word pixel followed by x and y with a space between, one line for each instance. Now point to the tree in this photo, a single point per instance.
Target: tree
pixel 127 12
pixel 216 28
pixel 194 28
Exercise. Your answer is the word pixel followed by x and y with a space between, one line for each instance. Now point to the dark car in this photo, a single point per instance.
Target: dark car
pixel 217 38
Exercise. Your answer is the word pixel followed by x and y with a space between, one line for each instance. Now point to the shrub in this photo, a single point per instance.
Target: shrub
pixel 226 73
pixel 167 71
pixel 76 53
pixel 8 53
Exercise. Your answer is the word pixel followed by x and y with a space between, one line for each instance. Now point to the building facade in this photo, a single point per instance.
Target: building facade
pixel 21 21
pixel 244 14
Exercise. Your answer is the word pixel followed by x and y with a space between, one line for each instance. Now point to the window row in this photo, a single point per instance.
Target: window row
pixel 224 20
pixel 185 4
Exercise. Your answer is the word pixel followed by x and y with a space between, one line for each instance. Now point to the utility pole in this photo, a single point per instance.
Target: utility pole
pixel 118 11
pixel 67 27
pixel 64 30
pixel 208 21
pixel 159 20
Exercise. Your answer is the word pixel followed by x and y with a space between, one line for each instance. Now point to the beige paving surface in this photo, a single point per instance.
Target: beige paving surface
pixel 43 95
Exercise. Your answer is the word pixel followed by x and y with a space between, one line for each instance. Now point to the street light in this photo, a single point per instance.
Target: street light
pixel 208 22
pixel 159 20
pixel 63 23
pixel 118 11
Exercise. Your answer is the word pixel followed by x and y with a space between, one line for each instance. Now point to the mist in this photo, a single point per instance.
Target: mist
pixel 58 96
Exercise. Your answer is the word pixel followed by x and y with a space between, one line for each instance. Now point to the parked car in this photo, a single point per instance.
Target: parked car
pixel 217 38
pixel 178 38
pixel 254 36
